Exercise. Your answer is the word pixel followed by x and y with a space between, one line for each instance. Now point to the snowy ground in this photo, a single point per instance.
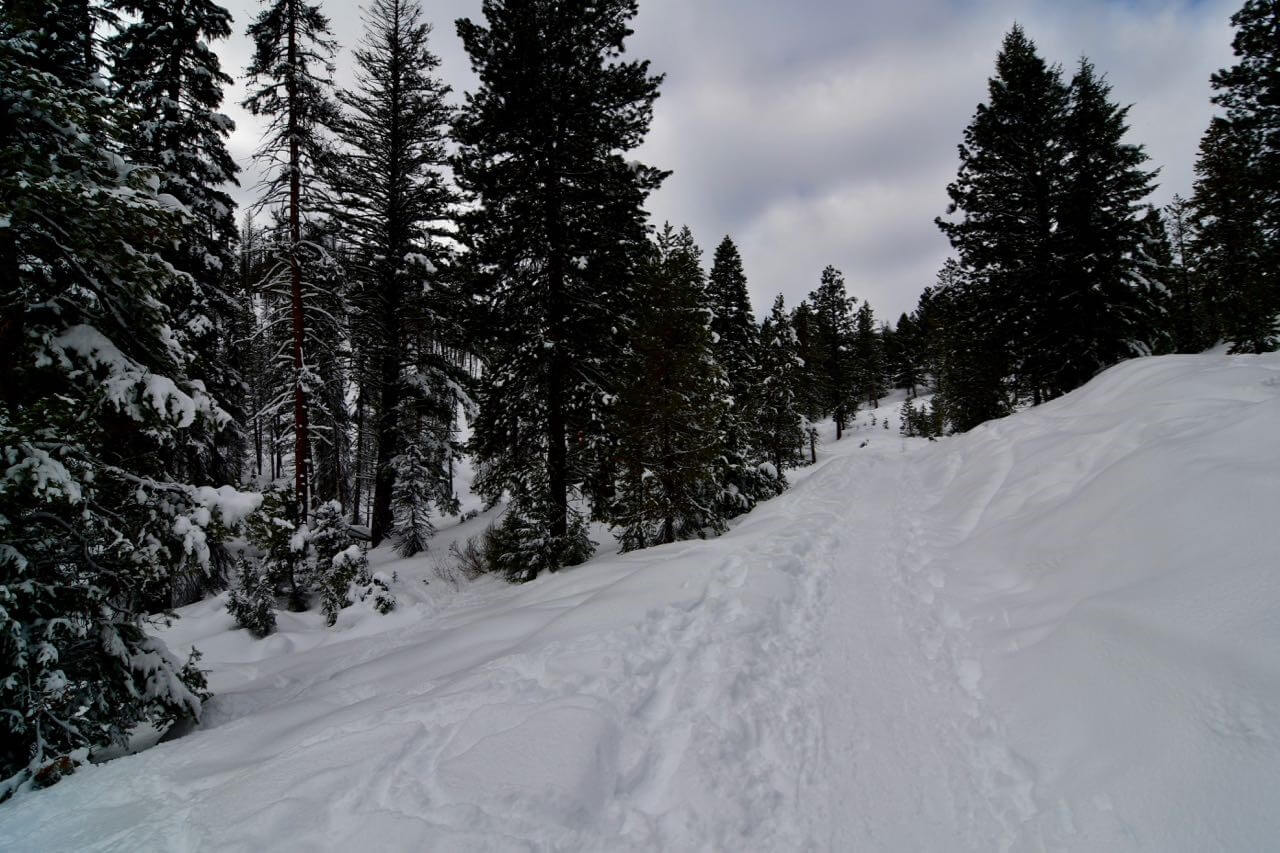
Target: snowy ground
pixel 1060 631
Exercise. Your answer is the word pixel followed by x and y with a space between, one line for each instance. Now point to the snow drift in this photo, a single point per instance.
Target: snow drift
pixel 1057 631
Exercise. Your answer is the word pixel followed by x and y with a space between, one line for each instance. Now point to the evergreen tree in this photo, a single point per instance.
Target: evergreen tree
pixel 290 78
pixel 252 601
pixel 1007 188
pixel 1238 184
pixel 394 199
pixel 96 404
pixel 411 501
pixel 338 562
pixel 164 67
pixel 735 337
pixel 1153 274
pixel 555 243
pixel 868 356
pixel 1098 309
pixel 671 409
pixel 831 340
pixel 1231 244
pixel 779 423
pixel 1189 325
pixel 966 355
pixel 904 356
pixel 735 345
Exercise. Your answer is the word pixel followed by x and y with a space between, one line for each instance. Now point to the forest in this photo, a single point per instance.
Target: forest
pixel 196 398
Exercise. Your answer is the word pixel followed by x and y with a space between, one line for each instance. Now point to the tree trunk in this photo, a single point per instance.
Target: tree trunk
pixel 557 452
pixel 384 475
pixel 358 474
pixel 301 447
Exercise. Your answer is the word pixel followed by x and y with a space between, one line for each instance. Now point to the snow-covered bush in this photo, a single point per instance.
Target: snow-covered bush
pixel 378 587
pixel 337 562
pixel 252 600
pixel 345 569
pixel 520 549
pixel 280 543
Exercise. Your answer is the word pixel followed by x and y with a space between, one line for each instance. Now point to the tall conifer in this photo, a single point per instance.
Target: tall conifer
pixel 556 242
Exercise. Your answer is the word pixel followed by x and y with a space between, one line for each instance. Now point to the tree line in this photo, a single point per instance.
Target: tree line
pixel 1061 269
pixel 176 382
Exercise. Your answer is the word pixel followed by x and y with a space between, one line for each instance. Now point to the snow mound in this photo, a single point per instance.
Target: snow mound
pixel 1058 631
pixel 1113 557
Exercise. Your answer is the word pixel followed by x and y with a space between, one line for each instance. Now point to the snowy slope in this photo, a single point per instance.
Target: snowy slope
pixel 1058 631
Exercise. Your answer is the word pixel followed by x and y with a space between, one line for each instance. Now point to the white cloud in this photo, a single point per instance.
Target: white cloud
pixel 821 131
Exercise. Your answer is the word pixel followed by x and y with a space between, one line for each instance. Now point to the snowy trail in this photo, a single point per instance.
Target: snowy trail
pixel 916 760
pixel 1057 632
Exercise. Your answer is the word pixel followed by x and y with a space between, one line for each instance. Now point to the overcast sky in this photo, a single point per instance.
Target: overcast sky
pixel 823 132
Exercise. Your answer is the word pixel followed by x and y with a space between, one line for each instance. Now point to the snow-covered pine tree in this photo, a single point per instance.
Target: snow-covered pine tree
pixel 831 340
pixel 326 318
pixel 394 199
pixel 337 561
pixel 416 485
pixel 1006 192
pixel 163 66
pixel 671 408
pixel 556 240
pixel 252 599
pixel 290 80
pixel 735 344
pixel 1097 309
pixel 779 421
pixel 1237 192
pixel 96 407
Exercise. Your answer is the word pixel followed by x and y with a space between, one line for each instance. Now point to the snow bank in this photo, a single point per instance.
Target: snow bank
pixel 1055 632
pixel 1113 556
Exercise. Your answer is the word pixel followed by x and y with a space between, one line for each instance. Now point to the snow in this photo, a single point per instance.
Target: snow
pixel 1055 632
pixel 127 382
pixel 231 505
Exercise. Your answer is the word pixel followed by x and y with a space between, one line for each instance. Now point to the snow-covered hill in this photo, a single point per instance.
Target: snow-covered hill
pixel 1059 631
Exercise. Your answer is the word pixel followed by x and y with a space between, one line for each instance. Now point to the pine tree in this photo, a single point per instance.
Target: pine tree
pixel 394 199
pixel 96 406
pixel 1007 189
pixel 1098 309
pixel 252 601
pixel 1231 244
pixel 1153 274
pixel 831 340
pixel 965 353
pixel 290 77
pixel 337 562
pixel 672 408
pixel 1237 195
pixel 868 356
pixel 555 244
pixel 1189 324
pixel 904 357
pixel 779 423
pixel 736 345
pixel 163 66
pixel 411 500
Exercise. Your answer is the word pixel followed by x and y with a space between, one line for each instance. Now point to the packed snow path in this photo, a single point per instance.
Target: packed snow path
pixel 1057 632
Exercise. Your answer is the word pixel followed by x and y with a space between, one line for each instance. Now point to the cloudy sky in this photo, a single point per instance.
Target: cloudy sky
pixel 823 132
